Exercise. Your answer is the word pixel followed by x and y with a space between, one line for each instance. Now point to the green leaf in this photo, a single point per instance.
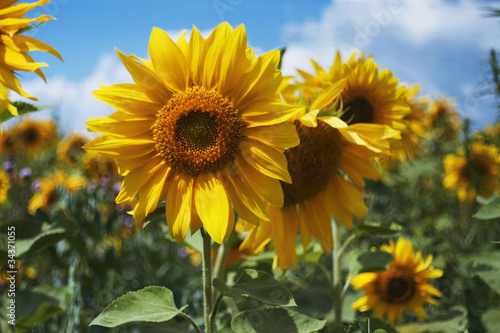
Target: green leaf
pixel 491 278
pixel 454 321
pixel 376 229
pixel 257 285
pixel 33 235
pixel 490 210
pixel 362 261
pixel 38 305
pixel 22 108
pixel 273 320
pixel 491 319
pixel 151 304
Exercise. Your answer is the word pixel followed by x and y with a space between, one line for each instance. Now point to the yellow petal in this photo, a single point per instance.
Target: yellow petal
pixel 213 207
pixel 279 136
pixel 145 77
pixel 150 192
pixel 265 159
pixel 130 98
pixel 115 148
pixel 168 60
pixel 121 124
pixel 179 206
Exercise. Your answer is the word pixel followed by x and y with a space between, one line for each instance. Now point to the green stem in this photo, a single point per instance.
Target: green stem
pixel 207 280
pixel 220 260
pixel 216 308
pixel 337 283
pixel 191 321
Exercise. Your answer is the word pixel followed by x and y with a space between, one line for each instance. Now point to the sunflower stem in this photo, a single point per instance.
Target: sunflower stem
pixel 337 277
pixel 207 280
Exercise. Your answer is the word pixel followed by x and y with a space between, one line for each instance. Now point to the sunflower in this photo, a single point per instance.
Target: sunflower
pixel 7 142
pixel 410 138
pixel 48 195
pixel 443 120
pixel 202 126
pixel 473 171
pixel 372 99
pixel 4 186
pixel 69 149
pixel 32 136
pixel 97 166
pixel 328 151
pixel 15 47
pixel 405 285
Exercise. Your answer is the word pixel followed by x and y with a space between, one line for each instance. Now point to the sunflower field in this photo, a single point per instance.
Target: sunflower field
pixel 224 196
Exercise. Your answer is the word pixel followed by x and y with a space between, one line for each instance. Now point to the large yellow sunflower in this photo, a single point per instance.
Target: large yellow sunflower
pixel 4 186
pixel 328 151
pixel 405 285
pixel 371 98
pixel 69 149
pixel 473 171
pixel 32 136
pixel 201 127
pixel 14 47
pixel 47 194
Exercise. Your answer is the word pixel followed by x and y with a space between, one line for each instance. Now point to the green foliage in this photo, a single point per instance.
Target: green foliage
pixel 361 261
pixel 366 228
pixel 151 304
pixel 491 320
pixel 22 108
pixel 490 209
pixel 454 321
pixel 38 305
pixel 275 320
pixel 257 285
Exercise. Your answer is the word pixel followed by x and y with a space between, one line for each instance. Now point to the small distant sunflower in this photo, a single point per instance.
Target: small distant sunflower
pixel 443 120
pixel 473 172
pixel 14 47
pixel 97 166
pixel 319 189
pixel 4 186
pixel 32 136
pixel 7 142
pixel 202 127
pixel 372 100
pixel 69 149
pixel 405 285
pixel 47 195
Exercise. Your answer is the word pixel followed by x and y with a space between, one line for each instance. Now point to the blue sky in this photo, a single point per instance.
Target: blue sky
pixel 442 45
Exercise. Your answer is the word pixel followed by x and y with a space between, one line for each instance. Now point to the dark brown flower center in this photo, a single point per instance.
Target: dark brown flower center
pixel 357 110
pixel 396 285
pixel 198 131
pixel 313 163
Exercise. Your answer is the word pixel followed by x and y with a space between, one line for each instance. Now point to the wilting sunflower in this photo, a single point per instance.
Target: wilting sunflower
pixel 372 99
pixel 405 285
pixel 443 120
pixel 31 136
pixel 4 186
pixel 472 172
pixel 202 127
pixel 47 194
pixel 319 189
pixel 15 47
pixel 69 149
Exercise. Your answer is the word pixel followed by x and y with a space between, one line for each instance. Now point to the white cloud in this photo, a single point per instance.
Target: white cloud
pixel 75 102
